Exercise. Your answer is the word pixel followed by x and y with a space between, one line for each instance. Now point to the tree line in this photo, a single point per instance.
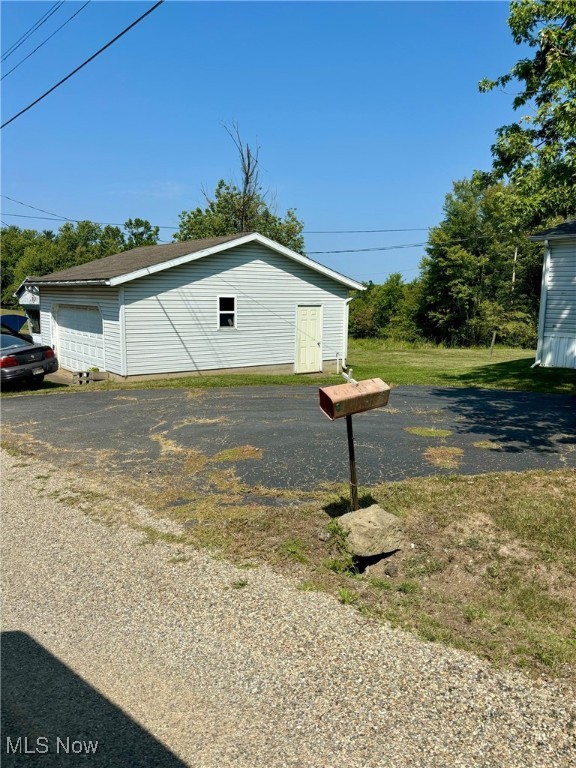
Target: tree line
pixel 481 274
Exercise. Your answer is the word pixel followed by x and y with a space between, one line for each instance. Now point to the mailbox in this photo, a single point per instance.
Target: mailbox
pixel 346 399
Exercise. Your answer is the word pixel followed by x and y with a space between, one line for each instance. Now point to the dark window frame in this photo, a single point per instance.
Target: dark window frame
pixel 223 314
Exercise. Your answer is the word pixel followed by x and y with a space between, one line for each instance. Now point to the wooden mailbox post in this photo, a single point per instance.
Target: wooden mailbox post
pixel 344 400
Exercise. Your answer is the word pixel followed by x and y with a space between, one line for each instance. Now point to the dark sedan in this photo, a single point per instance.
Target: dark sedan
pixel 21 361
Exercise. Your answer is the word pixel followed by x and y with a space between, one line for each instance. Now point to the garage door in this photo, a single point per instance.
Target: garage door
pixel 80 344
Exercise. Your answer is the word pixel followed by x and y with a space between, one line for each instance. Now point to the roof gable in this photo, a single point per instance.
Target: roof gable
pixel 139 262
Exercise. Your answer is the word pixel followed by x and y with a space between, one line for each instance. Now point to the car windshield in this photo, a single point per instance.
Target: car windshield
pixel 9 342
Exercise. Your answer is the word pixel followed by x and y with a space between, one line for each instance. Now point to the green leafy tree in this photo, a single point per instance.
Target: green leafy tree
pixel 27 253
pixel 480 269
pixel 538 152
pixel 235 209
pixel 374 311
pixel 361 316
pixel 14 243
pixel 139 232
pixel 387 299
pixel 403 325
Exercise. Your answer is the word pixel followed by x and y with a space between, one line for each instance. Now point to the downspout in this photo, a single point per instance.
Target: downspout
pixel 345 339
pixel 543 299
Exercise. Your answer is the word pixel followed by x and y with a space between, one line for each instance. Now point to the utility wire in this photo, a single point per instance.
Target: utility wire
pixel 57 217
pixel 305 232
pixel 124 31
pixel 27 205
pixel 398 247
pixel 42 20
pixel 359 231
pixel 45 41
pixel 378 248
pixel 72 221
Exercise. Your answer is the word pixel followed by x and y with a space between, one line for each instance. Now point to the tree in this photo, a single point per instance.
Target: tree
pixel 27 253
pixel 385 310
pixel 139 233
pixel 538 152
pixel 481 273
pixel 14 243
pixel 234 209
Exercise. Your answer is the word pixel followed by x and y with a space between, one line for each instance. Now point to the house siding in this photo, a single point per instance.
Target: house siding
pixel 171 320
pixel 106 299
pixel 557 342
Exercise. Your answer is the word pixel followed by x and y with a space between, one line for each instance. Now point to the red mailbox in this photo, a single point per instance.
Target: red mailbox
pixel 346 399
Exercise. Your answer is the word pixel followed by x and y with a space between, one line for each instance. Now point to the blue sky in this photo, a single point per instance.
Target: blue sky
pixel 365 112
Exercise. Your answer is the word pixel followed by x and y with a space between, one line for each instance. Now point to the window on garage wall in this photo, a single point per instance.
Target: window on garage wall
pixel 227 312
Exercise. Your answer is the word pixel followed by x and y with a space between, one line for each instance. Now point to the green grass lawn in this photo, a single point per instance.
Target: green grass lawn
pixel 396 364
pixel 439 366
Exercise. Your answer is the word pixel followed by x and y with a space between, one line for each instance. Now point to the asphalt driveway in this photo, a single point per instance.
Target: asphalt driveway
pixel 127 432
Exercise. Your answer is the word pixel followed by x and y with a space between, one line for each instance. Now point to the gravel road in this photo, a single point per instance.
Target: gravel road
pixel 164 659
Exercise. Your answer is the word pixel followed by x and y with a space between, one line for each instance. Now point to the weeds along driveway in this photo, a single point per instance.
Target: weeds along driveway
pixel 277 437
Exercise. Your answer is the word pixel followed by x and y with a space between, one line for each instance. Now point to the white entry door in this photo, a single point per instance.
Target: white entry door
pixel 80 343
pixel 309 339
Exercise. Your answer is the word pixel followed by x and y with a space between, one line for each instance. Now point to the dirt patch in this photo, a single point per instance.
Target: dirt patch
pixel 192 421
pixel 238 453
pixel 444 457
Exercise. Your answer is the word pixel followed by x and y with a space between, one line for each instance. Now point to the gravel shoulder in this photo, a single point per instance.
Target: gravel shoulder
pixel 167 660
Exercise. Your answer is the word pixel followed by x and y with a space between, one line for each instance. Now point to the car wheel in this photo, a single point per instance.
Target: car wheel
pixel 37 382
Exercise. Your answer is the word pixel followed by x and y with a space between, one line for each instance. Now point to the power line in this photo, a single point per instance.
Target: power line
pixel 56 217
pixel 305 232
pixel 42 20
pixel 45 41
pixel 360 231
pixel 398 247
pixel 64 79
pixel 73 221
pixel 33 207
pixel 378 248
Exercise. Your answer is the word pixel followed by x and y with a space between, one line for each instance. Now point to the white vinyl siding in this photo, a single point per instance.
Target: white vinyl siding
pixel 170 316
pixel 105 299
pixel 557 343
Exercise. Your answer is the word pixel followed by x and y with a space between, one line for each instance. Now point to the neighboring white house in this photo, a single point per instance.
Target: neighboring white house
pixel 224 303
pixel 557 320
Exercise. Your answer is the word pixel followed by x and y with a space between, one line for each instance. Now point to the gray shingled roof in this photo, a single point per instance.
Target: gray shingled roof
pixel 566 229
pixel 130 261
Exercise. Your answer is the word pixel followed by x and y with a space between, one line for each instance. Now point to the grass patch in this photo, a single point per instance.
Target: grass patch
pixel 471 367
pixel 294 549
pixel 428 431
pixel 347 596
pixel 488 445
pixel 395 363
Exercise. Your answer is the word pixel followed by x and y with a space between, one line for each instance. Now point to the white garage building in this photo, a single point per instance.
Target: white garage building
pixel 220 304
pixel 557 319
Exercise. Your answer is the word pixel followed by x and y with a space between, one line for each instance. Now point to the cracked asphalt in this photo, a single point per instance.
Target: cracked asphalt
pixel 487 430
